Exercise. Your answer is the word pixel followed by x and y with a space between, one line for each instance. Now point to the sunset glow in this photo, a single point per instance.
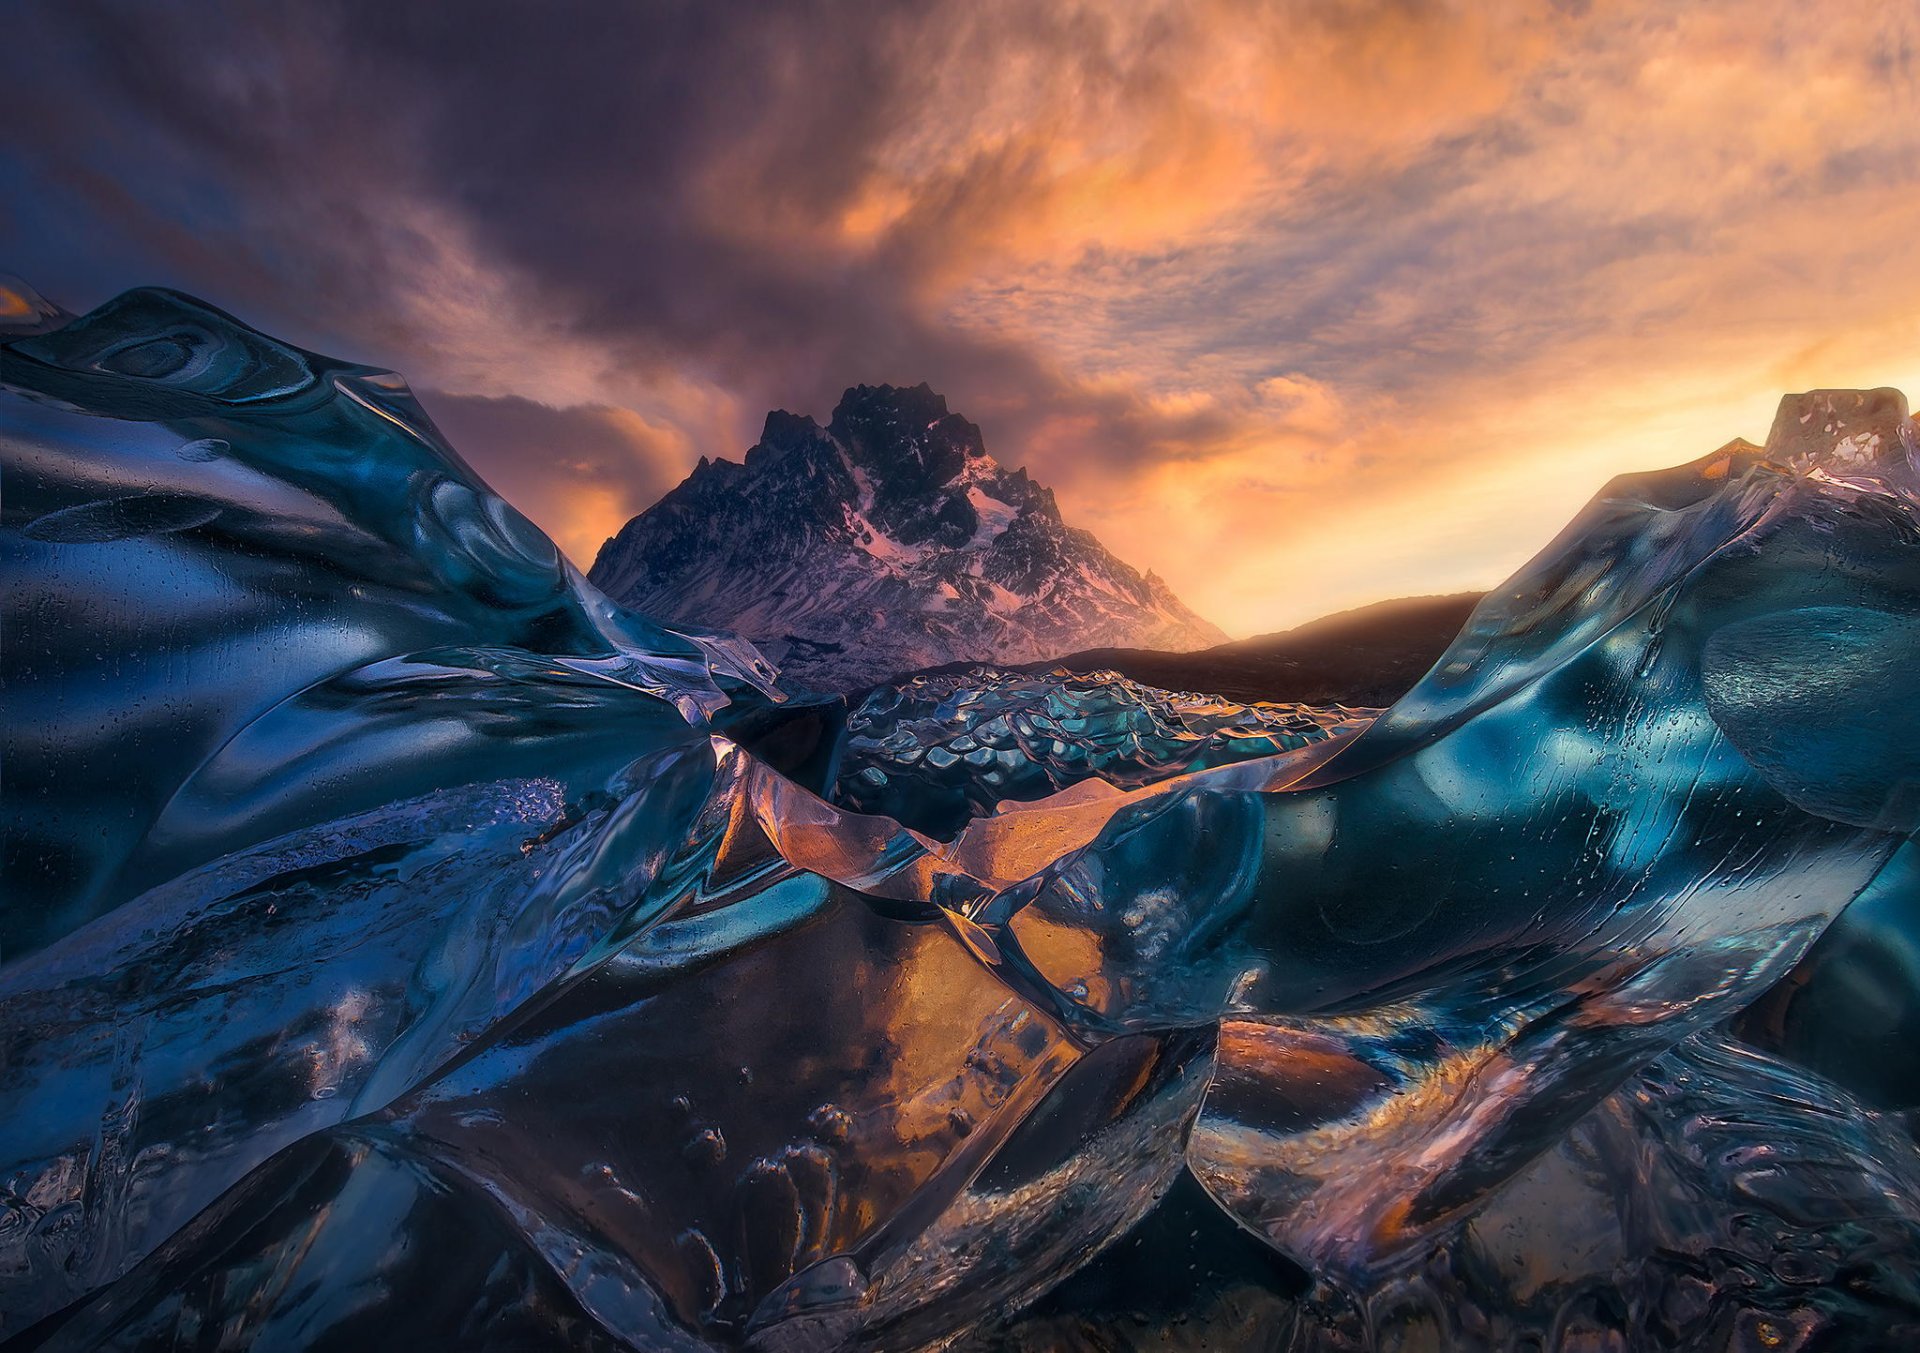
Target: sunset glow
pixel 1299 305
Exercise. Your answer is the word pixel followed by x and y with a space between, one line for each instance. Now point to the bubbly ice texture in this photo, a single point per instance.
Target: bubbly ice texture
pixel 404 946
pixel 935 751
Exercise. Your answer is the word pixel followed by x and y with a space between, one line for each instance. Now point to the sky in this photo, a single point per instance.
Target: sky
pixel 1301 305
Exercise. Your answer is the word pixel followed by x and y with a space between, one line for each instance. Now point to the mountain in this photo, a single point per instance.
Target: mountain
pixel 1369 656
pixel 885 542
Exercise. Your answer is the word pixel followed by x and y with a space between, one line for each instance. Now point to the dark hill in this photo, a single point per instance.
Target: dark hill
pixel 1368 656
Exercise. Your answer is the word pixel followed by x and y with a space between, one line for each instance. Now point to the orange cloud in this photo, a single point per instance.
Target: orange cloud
pixel 1375 295
pixel 1298 302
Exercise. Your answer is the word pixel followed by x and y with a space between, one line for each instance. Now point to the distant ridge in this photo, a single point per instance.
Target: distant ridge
pixel 1371 655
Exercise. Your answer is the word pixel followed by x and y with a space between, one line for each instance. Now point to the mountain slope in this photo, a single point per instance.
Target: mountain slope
pixel 1369 656
pixel 885 542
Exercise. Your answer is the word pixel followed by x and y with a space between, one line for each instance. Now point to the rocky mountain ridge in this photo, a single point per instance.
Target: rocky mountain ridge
pixel 885 542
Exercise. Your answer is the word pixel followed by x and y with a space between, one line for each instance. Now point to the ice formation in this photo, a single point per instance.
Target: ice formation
pixel 404 946
pixel 935 751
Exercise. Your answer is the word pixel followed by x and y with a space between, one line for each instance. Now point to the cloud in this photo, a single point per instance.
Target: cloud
pixel 585 469
pixel 1298 303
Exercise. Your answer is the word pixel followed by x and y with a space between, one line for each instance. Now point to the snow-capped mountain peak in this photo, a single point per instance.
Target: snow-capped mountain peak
pixel 886 541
